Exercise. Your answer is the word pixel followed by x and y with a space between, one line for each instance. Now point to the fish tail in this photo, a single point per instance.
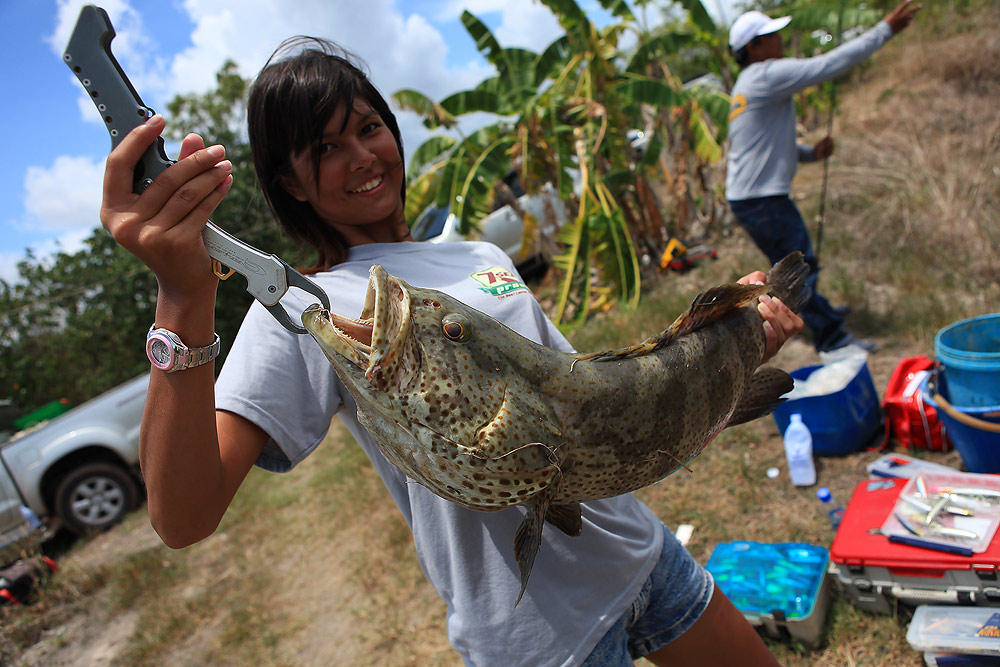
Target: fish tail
pixel 787 281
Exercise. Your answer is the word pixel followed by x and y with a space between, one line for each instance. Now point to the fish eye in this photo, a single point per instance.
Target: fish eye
pixel 456 328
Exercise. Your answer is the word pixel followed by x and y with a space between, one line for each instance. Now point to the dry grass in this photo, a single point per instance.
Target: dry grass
pixel 317 567
pixel 914 188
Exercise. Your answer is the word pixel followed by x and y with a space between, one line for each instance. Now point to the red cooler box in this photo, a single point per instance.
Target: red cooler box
pixel 874 572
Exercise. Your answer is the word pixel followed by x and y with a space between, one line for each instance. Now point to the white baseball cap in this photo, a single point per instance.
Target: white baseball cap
pixel 754 24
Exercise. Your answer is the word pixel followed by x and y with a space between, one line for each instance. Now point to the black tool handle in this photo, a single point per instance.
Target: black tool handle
pixel 89 55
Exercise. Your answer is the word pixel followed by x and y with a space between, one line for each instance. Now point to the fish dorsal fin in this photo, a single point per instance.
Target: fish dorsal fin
pixel 566 517
pixel 711 306
pixel 762 396
pixel 708 307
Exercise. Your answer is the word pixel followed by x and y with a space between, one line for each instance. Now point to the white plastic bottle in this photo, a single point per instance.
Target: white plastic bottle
pixel 798 451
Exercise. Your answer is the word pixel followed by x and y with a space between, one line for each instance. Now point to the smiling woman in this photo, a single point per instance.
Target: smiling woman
pixel 329 159
pixel 354 185
pixel 174 49
pixel 342 172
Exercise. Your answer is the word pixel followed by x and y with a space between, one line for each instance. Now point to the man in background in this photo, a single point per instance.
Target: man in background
pixel 764 152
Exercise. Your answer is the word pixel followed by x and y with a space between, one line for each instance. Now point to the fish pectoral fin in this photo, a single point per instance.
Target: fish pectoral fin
pixel 498 438
pixel 762 396
pixel 528 538
pixel 707 308
pixel 566 517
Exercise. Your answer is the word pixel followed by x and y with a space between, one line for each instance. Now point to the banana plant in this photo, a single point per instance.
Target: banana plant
pixel 691 127
pixel 561 117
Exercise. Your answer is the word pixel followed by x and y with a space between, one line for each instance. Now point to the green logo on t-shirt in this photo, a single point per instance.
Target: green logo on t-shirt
pixel 498 281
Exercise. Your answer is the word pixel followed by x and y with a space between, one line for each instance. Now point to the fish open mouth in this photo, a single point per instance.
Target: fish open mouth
pixel 375 340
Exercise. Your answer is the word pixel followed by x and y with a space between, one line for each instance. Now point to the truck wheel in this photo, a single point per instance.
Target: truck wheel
pixel 95 496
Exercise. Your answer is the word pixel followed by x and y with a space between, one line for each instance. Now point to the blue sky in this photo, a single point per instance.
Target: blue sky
pixel 55 142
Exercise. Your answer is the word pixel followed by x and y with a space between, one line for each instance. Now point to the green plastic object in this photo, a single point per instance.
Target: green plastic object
pixel 44 413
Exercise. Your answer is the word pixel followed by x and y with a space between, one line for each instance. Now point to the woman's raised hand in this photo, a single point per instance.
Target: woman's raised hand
pixel 163 225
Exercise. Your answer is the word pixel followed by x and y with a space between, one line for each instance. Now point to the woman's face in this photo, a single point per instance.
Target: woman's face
pixel 360 175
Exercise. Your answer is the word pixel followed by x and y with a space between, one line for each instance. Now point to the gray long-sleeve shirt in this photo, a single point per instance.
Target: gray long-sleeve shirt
pixel 763 153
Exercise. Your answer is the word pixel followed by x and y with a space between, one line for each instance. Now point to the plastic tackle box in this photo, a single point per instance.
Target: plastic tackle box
pixel 874 572
pixel 782 589
pixel 901 465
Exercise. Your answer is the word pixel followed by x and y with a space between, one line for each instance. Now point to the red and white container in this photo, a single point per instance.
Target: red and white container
pixel 875 573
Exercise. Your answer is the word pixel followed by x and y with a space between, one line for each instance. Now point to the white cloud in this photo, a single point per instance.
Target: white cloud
pixel 523 23
pixel 399 51
pixel 78 182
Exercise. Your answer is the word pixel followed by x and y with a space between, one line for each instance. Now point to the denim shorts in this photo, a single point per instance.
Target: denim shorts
pixel 672 599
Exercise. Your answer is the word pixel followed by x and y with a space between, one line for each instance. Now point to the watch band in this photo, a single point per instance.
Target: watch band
pixel 167 352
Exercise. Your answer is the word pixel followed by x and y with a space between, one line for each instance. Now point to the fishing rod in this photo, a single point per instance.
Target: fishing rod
pixel 829 132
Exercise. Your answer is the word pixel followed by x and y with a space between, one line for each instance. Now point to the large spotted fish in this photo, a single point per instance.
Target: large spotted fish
pixel 486 418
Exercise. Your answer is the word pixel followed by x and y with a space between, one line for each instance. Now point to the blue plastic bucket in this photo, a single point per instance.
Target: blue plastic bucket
pixel 979 448
pixel 969 354
pixel 841 422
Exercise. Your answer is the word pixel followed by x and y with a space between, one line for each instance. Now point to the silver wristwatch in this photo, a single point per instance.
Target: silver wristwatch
pixel 166 351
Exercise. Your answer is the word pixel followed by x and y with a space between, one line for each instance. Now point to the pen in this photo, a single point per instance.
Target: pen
pixel 928 544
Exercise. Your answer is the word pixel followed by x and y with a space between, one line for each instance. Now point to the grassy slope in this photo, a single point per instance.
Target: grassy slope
pixel 317 567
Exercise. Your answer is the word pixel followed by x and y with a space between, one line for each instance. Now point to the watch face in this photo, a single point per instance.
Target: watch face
pixel 160 352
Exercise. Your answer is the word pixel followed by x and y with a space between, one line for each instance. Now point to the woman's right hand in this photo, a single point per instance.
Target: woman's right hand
pixel 163 225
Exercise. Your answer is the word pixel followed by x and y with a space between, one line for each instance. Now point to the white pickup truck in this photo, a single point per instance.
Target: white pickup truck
pixel 80 468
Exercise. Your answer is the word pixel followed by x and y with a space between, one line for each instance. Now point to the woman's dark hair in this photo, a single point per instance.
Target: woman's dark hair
pixel 292 99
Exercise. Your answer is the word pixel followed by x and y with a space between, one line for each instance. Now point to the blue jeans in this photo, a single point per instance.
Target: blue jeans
pixel 776 226
pixel 672 599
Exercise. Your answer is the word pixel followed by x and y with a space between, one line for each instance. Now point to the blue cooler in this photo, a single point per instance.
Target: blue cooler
pixel 840 422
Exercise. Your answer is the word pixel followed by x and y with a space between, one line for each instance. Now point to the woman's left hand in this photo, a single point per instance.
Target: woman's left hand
pixel 780 323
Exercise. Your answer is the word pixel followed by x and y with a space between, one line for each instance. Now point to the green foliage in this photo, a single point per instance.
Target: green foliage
pixel 74 325
pixel 563 113
pixel 67 324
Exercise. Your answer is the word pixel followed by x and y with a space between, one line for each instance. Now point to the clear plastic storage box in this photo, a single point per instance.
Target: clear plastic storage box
pixel 950 629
